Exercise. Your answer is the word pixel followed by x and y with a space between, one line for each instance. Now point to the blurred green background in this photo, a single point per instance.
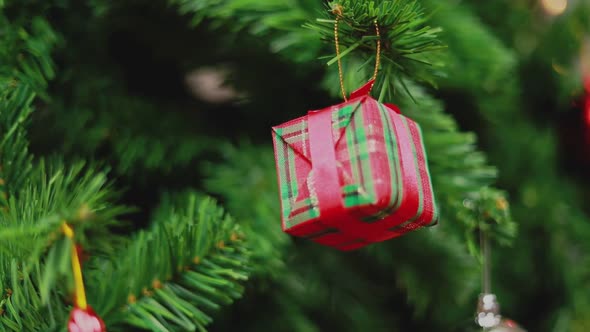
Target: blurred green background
pixel 179 94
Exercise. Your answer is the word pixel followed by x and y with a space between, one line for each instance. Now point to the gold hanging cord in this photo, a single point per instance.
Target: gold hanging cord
pixel 338 12
pixel 79 292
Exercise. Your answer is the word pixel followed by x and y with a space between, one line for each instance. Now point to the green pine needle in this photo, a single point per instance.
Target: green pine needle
pixel 191 262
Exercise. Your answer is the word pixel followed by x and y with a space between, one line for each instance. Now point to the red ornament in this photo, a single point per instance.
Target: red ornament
pixel 353 174
pixel 85 321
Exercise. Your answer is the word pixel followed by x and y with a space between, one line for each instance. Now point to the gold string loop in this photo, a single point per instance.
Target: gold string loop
pixel 338 12
pixel 79 292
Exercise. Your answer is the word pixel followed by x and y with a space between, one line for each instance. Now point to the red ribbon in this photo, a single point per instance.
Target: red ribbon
pixel 325 179
pixel 351 233
pixel 329 190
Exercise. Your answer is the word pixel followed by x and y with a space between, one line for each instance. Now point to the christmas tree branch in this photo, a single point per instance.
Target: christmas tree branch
pixel 39 198
pixel 174 275
pixel 529 151
pixel 409 46
pixel 460 171
pixel 277 21
pixel 31 238
pixel 25 66
pixel 142 138
pixel 243 174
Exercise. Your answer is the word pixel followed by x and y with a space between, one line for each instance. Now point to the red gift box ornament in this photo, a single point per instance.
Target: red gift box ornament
pixel 353 174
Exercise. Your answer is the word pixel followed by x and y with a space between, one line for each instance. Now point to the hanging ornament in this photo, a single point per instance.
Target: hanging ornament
pixel 488 309
pixel 85 320
pixel 353 173
pixel 82 317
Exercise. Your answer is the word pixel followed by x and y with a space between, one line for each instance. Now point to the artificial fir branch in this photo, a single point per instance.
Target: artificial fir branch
pixel 144 147
pixel 33 246
pixel 25 65
pixel 33 256
pixel 174 275
pixel 458 169
pixel 277 21
pixel 534 176
pixel 410 46
pixel 25 68
pixel 257 218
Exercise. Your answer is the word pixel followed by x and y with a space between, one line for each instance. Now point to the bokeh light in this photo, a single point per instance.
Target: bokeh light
pixel 554 7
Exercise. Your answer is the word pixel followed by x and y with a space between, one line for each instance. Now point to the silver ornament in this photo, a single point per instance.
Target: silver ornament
pixel 488 311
